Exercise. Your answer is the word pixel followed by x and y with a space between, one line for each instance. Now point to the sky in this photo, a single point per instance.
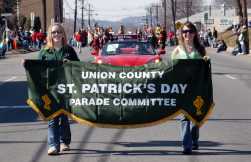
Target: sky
pixel 112 10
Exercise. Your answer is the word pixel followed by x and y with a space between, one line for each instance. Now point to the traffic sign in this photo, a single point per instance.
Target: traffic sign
pixel 206 16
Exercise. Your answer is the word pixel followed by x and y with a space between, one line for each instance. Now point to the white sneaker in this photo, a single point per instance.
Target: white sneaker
pixel 239 54
pixel 52 151
pixel 64 147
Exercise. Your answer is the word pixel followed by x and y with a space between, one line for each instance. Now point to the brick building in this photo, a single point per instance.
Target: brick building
pixel 52 11
pixel 1 5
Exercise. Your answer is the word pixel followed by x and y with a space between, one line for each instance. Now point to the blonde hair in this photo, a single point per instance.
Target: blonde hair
pixel 49 43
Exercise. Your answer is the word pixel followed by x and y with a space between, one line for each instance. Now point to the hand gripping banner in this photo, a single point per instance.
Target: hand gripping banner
pixel 120 97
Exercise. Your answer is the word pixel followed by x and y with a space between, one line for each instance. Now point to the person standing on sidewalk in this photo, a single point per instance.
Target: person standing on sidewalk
pixel 59 134
pixel 3 48
pixel 244 45
pixel 189 48
pixel 215 37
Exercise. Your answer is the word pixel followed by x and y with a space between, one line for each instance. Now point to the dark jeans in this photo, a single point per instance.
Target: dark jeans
pixel 59 131
pixel 3 51
pixel 189 134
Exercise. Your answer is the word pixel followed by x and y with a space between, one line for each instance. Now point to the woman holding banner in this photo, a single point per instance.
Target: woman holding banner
pixel 189 48
pixel 59 134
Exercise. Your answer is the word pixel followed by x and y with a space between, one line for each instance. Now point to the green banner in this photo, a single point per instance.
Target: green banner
pixel 121 97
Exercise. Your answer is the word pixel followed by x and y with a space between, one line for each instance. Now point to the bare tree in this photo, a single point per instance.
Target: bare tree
pixel 185 8
pixel 239 11
pixel 244 11
pixel 174 7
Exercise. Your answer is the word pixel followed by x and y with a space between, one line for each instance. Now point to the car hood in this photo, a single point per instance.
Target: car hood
pixel 128 60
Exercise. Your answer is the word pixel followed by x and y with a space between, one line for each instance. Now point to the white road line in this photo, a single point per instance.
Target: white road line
pixel 15 107
pixel 7 80
pixel 230 77
pixel 10 79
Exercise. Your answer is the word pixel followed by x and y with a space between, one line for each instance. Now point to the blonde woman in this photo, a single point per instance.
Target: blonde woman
pixel 189 48
pixel 59 134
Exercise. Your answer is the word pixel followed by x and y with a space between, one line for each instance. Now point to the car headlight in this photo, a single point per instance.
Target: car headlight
pixel 156 60
pixel 99 61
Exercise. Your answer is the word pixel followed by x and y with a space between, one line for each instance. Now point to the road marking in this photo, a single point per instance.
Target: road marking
pixel 12 78
pixel 15 107
pixel 230 77
pixel 7 80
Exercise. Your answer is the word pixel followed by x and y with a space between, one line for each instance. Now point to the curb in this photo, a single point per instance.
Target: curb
pixel 20 51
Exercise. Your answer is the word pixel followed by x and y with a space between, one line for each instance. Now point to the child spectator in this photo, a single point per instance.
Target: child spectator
pixel 221 46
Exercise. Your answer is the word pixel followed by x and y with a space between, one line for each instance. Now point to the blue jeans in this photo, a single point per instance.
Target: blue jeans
pixel 243 48
pixel 189 134
pixel 59 131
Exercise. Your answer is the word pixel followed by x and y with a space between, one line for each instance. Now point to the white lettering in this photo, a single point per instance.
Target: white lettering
pixel 61 88
pixel 183 88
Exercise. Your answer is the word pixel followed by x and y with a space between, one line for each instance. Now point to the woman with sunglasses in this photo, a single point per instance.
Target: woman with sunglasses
pixel 59 134
pixel 189 48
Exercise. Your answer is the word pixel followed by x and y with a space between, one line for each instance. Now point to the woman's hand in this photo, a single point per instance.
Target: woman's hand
pixel 66 60
pixel 206 58
pixel 23 62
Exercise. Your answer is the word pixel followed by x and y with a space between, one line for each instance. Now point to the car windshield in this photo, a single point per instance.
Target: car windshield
pixel 128 47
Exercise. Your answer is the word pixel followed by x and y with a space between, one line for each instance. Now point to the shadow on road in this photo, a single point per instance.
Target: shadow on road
pixel 206 148
pixel 155 152
pixel 13 103
pixel 17 115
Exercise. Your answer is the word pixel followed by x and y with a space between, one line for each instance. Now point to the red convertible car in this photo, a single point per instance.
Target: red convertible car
pixel 127 53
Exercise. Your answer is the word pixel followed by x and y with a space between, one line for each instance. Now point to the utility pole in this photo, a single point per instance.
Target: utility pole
pixel 44 14
pixel 157 13
pixel 75 16
pixel 165 22
pixel 151 16
pixel 188 8
pixel 245 22
pixel 60 12
pixel 210 10
pixel 174 7
pixel 82 17
pixel 18 13
pixel 89 15
pixel 245 14
pixel 145 19
pixel 240 14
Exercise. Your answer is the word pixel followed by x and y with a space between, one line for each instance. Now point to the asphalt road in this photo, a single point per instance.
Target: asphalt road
pixel 225 137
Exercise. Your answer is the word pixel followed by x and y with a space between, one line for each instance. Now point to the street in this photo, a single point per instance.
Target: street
pixel 226 136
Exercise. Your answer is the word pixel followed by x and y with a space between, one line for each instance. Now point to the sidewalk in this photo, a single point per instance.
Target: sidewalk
pixel 228 52
pixel 20 51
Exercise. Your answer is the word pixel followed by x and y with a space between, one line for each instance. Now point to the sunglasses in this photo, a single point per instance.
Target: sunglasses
pixel 187 31
pixel 56 32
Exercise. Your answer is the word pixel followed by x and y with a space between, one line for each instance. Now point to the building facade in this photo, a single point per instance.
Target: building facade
pixel 48 11
pixel 220 18
pixel 1 5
